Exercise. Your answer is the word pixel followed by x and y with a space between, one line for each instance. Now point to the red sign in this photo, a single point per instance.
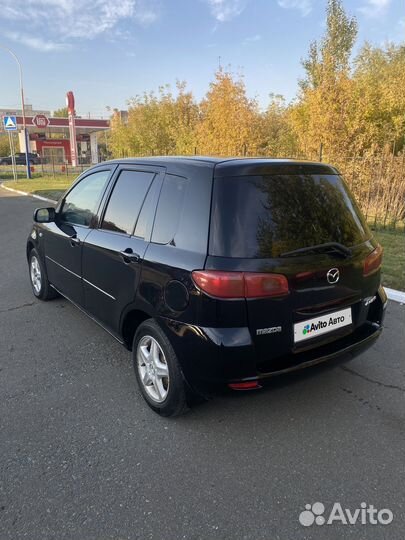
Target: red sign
pixel 70 102
pixel 41 121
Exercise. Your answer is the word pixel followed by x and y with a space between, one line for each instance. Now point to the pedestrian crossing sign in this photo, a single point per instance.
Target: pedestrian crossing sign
pixel 10 123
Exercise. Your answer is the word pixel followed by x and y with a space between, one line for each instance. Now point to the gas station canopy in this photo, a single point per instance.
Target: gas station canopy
pixel 50 137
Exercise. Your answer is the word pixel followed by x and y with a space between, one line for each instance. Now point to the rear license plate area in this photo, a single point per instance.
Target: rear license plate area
pixel 324 324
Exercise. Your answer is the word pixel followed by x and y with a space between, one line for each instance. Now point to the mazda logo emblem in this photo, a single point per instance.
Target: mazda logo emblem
pixel 333 275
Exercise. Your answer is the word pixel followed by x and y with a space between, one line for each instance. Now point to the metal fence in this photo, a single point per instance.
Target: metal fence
pixel 43 169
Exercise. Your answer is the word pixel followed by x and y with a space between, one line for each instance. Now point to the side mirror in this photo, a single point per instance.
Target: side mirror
pixel 44 215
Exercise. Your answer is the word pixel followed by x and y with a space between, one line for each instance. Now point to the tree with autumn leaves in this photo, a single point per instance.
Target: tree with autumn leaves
pixel 350 106
pixel 228 118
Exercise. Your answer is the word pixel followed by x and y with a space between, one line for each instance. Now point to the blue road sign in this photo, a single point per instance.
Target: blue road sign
pixel 10 123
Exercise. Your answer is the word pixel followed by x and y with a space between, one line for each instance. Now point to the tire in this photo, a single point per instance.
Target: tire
pixel 153 357
pixel 39 279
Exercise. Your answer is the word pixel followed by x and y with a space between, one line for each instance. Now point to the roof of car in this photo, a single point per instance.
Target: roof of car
pixel 232 166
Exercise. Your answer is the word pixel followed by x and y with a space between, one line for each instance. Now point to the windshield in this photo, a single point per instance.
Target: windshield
pixel 265 216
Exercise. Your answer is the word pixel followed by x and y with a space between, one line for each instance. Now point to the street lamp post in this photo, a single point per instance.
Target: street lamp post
pixel 27 161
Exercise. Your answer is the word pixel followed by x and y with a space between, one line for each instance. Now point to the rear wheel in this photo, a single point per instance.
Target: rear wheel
pixel 39 279
pixel 158 371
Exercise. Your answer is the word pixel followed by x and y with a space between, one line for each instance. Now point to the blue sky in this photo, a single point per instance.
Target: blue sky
pixel 107 52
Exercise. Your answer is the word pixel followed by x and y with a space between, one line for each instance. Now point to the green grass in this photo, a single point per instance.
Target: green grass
pixel 46 186
pixel 393 270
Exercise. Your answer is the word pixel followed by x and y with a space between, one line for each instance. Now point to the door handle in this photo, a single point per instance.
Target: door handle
pixel 128 256
pixel 74 241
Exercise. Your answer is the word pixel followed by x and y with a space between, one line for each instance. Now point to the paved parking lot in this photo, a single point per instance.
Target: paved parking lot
pixel 82 457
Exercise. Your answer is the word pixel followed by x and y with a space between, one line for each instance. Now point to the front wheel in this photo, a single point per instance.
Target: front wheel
pixel 39 280
pixel 158 371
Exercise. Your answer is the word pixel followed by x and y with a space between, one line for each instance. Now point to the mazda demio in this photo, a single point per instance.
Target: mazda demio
pixel 213 272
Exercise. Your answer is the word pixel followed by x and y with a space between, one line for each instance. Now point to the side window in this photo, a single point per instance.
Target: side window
pixel 169 209
pixel 126 200
pixel 145 218
pixel 81 204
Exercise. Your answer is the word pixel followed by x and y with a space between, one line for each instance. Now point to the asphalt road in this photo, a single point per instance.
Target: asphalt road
pixel 82 457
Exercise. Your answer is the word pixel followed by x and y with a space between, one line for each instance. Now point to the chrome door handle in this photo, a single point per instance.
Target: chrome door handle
pixel 128 256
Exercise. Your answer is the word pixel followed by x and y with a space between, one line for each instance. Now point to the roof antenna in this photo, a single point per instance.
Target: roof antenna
pixel 219 63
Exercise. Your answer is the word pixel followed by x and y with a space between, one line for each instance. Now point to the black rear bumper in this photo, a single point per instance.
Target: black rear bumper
pixel 217 356
pixel 344 349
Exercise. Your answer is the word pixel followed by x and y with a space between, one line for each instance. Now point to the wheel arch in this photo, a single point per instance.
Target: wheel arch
pixel 130 322
pixel 30 246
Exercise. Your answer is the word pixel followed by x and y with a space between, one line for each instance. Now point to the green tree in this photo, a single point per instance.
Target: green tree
pixel 378 111
pixel 61 113
pixel 331 57
pixel 158 123
pixel 322 112
pixel 277 137
pixel 4 145
pixel 118 137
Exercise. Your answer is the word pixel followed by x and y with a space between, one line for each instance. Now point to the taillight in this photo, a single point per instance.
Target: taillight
pixel 373 261
pixel 240 284
pixel 221 284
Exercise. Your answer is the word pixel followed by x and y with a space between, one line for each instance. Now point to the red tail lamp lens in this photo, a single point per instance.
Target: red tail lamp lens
pixel 373 261
pixel 248 385
pixel 258 285
pixel 240 284
pixel 221 284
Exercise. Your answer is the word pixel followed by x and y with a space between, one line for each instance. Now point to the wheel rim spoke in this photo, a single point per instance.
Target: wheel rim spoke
pixel 144 353
pixel 145 378
pixel 157 383
pixel 154 350
pixel 161 369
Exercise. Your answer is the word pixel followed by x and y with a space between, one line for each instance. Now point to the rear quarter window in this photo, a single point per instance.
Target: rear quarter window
pixel 169 209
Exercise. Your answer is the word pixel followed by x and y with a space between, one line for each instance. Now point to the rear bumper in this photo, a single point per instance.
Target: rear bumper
pixel 342 351
pixel 218 356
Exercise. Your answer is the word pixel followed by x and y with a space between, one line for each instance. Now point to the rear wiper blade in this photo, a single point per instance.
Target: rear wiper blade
pixel 329 247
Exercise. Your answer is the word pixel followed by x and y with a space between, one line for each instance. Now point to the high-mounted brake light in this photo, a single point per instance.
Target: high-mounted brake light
pixel 373 261
pixel 240 284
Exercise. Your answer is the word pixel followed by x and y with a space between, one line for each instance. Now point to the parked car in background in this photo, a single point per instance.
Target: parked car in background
pixel 20 159
pixel 213 271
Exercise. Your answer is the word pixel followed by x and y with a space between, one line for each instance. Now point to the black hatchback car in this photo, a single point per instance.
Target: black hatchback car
pixel 213 271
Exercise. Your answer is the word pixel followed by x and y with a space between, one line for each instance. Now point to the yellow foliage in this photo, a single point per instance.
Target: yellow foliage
pixel 229 119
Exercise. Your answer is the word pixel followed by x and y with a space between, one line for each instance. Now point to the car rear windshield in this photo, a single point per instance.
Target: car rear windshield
pixel 266 216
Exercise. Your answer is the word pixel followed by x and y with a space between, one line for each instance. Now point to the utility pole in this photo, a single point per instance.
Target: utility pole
pixel 27 161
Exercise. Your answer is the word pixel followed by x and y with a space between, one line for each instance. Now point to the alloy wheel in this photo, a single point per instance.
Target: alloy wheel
pixel 152 368
pixel 35 273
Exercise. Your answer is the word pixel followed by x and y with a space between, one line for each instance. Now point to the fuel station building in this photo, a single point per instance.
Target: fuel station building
pixel 60 141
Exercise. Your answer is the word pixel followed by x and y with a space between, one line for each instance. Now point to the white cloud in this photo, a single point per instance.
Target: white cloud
pixel 36 42
pixel 145 16
pixel 374 8
pixel 252 39
pixel 70 19
pixel 224 10
pixel 304 6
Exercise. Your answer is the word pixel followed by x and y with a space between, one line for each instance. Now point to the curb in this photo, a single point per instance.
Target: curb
pixel 393 294
pixel 396 296
pixel 28 194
